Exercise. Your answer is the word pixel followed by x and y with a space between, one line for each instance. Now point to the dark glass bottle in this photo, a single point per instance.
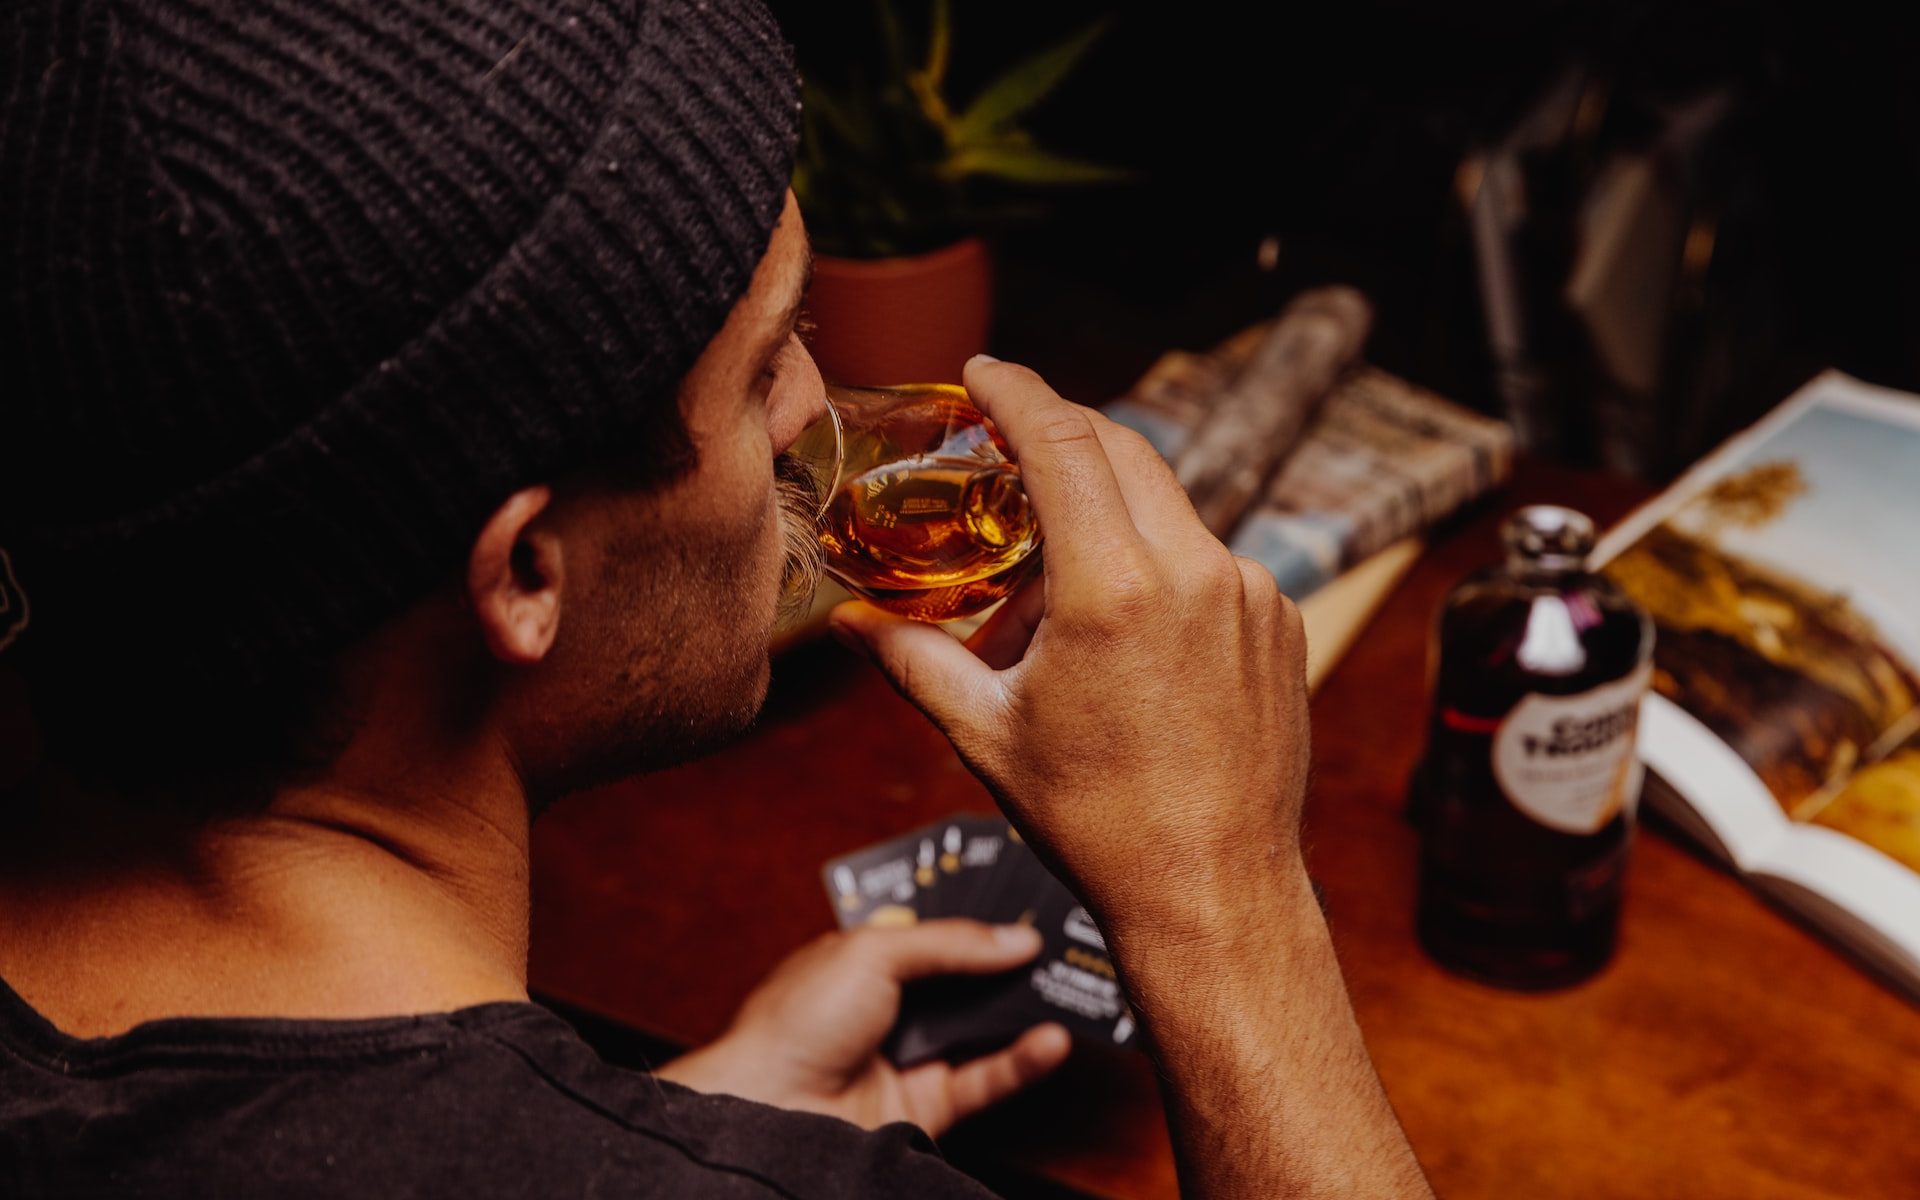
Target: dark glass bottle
pixel 1525 800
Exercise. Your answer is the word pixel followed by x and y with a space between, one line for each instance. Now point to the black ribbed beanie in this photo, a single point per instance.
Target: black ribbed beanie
pixel 296 292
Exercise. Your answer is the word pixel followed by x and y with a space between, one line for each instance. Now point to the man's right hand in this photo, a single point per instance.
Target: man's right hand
pixel 1140 711
pixel 1141 715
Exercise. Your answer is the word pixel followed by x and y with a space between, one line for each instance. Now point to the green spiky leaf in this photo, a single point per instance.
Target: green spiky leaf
pixel 1022 87
pixel 1027 164
pixel 939 44
pixel 884 167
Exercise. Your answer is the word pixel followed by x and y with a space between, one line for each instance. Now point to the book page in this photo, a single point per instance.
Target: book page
pixel 1782 574
pixel 1870 902
pixel 1718 785
pixel 1859 894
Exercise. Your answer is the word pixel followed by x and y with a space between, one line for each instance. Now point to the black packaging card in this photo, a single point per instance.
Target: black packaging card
pixel 879 884
pixel 1072 981
pixel 967 848
pixel 977 867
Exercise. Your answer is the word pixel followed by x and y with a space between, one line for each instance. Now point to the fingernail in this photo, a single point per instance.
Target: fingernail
pixel 986 359
pixel 1018 937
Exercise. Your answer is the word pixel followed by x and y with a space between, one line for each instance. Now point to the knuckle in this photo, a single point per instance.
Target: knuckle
pixel 1131 440
pixel 1069 426
pixel 1133 592
pixel 1257 582
pixel 1130 447
pixel 1213 576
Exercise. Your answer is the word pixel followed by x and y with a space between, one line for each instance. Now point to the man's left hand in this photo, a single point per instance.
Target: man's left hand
pixel 809 1036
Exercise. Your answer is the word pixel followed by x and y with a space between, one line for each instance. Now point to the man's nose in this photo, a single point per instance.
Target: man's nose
pixel 804 403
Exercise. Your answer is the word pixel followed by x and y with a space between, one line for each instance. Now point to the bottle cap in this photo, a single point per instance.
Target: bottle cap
pixel 1550 537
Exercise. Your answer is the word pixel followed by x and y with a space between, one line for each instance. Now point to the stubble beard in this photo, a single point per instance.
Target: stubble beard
pixel 698 679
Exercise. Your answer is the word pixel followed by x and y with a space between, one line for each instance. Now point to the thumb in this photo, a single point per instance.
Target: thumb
pixel 941 676
pixel 951 946
pixel 985 1081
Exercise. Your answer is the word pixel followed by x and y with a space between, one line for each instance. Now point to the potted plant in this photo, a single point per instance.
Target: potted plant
pixel 898 182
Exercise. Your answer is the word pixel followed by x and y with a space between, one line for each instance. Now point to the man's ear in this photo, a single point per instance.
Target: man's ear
pixel 514 578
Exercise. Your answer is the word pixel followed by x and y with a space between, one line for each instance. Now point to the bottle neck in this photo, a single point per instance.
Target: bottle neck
pixel 1544 568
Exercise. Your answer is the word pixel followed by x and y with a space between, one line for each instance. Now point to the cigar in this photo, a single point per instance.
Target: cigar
pixel 1258 419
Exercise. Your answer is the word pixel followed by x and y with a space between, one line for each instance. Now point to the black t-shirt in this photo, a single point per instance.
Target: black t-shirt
pixel 493 1101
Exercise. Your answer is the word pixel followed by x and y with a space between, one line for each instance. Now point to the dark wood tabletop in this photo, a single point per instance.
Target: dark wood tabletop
pixel 1726 1052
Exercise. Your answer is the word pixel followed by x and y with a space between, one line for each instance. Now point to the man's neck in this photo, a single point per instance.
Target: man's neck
pixel 390 886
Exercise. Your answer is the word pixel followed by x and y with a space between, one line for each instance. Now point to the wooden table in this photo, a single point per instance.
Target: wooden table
pixel 1725 1052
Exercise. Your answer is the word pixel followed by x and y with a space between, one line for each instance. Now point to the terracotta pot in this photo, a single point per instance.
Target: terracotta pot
pixel 901 320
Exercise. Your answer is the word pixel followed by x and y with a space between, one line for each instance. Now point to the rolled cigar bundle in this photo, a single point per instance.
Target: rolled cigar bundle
pixel 1258 420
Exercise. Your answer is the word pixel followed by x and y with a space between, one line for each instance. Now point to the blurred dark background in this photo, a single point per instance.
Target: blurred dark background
pixel 1628 227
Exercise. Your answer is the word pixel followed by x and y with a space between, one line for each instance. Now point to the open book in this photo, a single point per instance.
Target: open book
pixel 1783 574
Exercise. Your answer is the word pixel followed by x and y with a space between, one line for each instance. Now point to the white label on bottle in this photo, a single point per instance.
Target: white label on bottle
pixel 1568 761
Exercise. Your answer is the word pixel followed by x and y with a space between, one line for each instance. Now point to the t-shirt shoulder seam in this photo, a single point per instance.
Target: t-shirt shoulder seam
pixel 585 1101
pixel 261 1049
pixel 265 1054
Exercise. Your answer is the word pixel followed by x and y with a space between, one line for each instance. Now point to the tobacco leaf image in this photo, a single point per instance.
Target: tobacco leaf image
pixel 1793 677
pixel 1752 497
pixel 1880 805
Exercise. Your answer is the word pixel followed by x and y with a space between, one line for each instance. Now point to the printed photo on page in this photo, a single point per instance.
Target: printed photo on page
pixel 1786 591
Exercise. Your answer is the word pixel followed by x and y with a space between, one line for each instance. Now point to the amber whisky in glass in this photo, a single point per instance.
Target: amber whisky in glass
pixel 923 513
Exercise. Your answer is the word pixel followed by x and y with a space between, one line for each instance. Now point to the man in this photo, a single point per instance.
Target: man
pixel 391 448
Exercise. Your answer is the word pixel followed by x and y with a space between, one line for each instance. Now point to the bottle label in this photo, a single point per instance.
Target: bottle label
pixel 1568 761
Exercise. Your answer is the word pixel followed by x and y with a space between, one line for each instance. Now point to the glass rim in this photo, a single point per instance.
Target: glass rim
pixel 842 399
pixel 827 478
